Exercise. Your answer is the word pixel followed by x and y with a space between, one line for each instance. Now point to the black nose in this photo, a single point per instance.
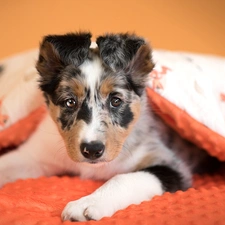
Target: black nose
pixel 92 150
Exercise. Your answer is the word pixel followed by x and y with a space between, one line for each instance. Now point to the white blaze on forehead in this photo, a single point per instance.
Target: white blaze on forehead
pixel 92 70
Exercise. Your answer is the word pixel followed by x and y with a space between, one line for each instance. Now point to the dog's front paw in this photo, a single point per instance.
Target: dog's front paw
pixel 86 208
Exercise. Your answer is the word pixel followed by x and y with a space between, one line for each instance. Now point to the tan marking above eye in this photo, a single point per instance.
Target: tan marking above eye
pixel 107 86
pixel 76 86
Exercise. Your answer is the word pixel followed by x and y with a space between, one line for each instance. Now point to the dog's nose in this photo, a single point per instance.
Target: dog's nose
pixel 92 150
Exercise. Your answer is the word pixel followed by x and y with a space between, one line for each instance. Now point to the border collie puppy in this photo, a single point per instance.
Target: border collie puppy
pixel 100 116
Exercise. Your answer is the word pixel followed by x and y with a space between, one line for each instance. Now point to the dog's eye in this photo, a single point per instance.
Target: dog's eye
pixel 115 102
pixel 71 103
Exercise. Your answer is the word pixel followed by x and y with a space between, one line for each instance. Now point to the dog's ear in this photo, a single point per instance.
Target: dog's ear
pixel 139 68
pixel 58 51
pixel 117 50
pixel 128 53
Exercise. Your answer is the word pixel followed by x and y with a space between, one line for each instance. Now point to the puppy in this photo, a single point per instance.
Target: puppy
pixel 101 126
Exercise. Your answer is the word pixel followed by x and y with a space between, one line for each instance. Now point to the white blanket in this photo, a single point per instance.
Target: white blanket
pixel 194 83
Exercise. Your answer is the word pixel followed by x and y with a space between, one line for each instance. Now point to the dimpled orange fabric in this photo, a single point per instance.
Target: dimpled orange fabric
pixel 188 127
pixel 41 201
pixel 20 131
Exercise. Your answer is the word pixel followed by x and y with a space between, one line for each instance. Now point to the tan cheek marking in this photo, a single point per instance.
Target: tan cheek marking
pixel 136 109
pixel 115 140
pixel 71 139
pixel 106 87
pixel 112 143
pixel 117 136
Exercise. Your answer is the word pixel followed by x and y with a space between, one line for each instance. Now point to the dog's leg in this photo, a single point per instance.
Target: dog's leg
pixel 120 192
pixel 38 156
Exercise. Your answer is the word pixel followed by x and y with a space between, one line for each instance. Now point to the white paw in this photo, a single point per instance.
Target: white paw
pixel 87 208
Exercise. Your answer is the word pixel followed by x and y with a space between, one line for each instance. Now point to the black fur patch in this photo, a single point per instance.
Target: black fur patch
pixel 117 50
pixel 49 87
pixel 122 117
pixel 85 113
pixel 88 92
pixel 66 118
pixel 171 179
pixel 126 116
pixel 73 48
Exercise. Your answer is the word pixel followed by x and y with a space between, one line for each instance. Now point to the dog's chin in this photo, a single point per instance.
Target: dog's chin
pixel 91 162
pixel 94 163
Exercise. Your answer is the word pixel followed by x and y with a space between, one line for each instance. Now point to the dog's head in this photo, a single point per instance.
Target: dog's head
pixel 94 95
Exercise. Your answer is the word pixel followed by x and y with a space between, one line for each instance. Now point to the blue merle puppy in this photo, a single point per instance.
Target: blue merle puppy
pixel 101 126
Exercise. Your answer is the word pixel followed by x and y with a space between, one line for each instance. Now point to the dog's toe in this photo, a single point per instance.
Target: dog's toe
pixel 86 208
pixel 94 212
pixel 74 211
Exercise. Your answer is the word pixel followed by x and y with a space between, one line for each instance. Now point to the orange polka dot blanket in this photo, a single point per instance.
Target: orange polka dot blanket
pixel 186 90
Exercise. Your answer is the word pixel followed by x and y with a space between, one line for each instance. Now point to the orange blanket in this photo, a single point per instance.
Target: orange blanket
pixel 41 202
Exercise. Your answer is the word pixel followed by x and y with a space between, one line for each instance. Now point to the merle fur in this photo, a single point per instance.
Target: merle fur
pixel 117 51
pixel 66 118
pixel 128 54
